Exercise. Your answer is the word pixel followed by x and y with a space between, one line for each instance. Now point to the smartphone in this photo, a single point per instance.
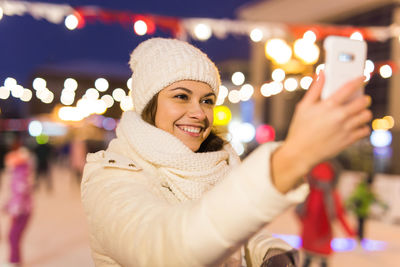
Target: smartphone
pixel 344 61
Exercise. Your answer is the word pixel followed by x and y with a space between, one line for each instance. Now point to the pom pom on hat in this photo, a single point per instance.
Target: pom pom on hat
pixel 159 62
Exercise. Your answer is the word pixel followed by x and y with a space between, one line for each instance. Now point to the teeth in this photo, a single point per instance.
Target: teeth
pixel 191 129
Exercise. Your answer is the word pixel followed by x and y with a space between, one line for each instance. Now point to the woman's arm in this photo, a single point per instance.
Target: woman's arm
pixel 320 129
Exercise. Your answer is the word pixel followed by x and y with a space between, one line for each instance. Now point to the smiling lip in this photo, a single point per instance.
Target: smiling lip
pixel 191 130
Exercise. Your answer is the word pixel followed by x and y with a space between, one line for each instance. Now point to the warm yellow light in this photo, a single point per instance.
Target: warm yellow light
pixel 390 121
pixel 222 115
pixel 306 51
pixel 278 51
pixel 380 124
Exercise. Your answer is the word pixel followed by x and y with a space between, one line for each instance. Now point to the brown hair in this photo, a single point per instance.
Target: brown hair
pixel 212 143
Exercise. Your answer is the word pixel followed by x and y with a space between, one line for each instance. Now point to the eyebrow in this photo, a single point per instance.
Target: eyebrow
pixel 190 91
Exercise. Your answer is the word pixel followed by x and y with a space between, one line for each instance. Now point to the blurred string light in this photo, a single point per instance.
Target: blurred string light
pixel 10 82
pixel 246 92
pixel 140 27
pixel 238 78
pixel 222 115
pixel 256 35
pixel 357 36
pixel 306 82
pixel 368 69
pixel 92 94
pixel 71 22
pixel 126 103
pixel 1 13
pixel 306 50
pixel 26 95
pixel 272 88
pixel 35 128
pixel 129 83
pixel 222 94
pixel 67 97
pixel 234 96
pixel 118 94
pixel 278 51
pixel 385 71
pixel 39 83
pixel 310 36
pixel 202 31
pixel 108 100
pixel 278 75
pixel 101 84
pixel 319 68
pixel 4 92
pixel 291 84
pixel 71 84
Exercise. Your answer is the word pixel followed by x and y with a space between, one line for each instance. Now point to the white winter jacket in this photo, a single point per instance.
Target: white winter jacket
pixel 151 201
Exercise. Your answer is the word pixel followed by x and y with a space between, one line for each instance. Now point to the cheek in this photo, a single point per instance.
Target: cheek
pixel 166 116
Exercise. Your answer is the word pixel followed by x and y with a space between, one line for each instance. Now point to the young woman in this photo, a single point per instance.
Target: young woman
pixel 169 192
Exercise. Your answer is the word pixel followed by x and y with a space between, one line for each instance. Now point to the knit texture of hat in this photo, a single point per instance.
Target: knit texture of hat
pixel 158 62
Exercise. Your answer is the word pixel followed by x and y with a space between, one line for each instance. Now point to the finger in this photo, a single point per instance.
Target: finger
pixel 358 120
pixel 344 93
pixel 314 92
pixel 357 105
pixel 358 134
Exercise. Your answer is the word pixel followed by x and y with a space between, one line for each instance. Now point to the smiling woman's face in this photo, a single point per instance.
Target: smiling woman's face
pixel 185 110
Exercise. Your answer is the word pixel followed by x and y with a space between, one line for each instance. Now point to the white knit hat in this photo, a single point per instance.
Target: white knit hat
pixel 159 62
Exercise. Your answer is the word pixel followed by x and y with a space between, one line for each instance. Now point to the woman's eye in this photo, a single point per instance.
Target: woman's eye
pixel 209 101
pixel 181 96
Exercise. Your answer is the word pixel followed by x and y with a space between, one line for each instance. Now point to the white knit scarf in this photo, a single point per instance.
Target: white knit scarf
pixel 187 174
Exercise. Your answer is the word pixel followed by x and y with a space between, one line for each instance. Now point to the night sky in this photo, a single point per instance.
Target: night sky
pixel 27 44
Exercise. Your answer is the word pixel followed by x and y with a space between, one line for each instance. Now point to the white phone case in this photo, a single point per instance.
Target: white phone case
pixel 344 61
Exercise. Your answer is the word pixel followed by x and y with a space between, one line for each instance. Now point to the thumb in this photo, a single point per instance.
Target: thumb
pixel 314 93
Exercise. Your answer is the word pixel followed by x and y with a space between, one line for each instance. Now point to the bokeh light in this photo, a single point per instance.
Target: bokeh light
pixel 265 133
pixel 202 31
pixel 238 78
pixel 222 115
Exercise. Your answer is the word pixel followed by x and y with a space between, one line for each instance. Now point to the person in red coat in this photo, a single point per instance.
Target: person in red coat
pixel 316 214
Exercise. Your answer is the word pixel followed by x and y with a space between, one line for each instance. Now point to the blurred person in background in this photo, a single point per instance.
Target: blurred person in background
pixel 43 154
pixel 19 173
pixel 360 202
pixel 317 214
pixel 168 191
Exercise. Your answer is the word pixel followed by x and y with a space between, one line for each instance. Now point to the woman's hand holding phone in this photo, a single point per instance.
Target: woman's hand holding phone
pixel 320 129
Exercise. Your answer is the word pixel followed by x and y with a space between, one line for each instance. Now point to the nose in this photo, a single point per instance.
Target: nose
pixel 196 111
